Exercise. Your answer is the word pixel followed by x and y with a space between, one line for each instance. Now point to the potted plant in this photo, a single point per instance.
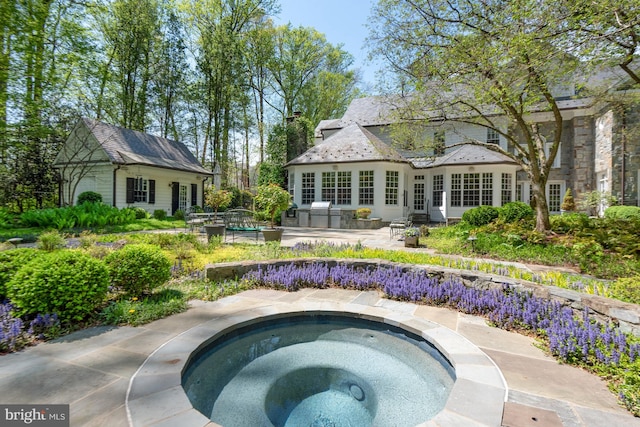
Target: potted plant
pixel 363 213
pixel 216 199
pixel 411 236
pixel 272 199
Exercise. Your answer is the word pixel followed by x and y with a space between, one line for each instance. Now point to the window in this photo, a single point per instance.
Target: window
pixel 339 194
pixel 487 189
pixel 308 188
pixel 471 189
pixel 438 188
pixel 547 149
pixel 418 196
pixel 505 189
pixel 391 188
pixel 366 188
pixel 292 185
pixel 329 187
pixel 456 189
pixel 344 188
pixel 438 143
pixel 140 188
pixel 493 137
pixel 554 197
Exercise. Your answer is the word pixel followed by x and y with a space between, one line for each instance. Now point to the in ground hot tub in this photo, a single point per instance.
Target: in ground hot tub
pixel 318 370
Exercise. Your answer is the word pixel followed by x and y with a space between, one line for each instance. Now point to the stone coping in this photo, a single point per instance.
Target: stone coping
pixel 155 396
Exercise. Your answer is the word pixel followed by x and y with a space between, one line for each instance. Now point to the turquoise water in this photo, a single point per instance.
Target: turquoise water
pixel 318 371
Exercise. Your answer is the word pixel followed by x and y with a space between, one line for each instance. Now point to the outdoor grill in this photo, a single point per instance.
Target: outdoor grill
pixel 319 214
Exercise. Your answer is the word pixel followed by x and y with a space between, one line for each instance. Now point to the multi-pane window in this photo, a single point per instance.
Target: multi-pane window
pixel 555 197
pixel 308 188
pixel 493 137
pixel 336 187
pixel 391 188
pixel 438 188
pixel 471 189
pixel 505 189
pixel 329 187
pixel 487 189
pixel 140 190
pixel 292 185
pixel 456 189
pixel 344 188
pixel 366 188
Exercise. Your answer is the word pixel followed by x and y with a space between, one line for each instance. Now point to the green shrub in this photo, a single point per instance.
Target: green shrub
pixel 622 212
pixel 140 212
pixel 482 215
pixel 10 262
pixel 568 203
pixel 89 197
pixel 138 268
pixel 51 240
pixel 160 214
pixel 570 223
pixel 178 215
pixel 515 211
pixel 68 283
pixel 626 289
pixel 6 219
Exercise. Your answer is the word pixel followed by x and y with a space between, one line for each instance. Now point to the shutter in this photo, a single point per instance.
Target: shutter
pixel 152 191
pixel 130 190
pixel 194 194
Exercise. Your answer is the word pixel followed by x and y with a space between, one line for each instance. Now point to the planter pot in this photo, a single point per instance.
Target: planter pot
pixel 272 234
pixel 411 242
pixel 214 230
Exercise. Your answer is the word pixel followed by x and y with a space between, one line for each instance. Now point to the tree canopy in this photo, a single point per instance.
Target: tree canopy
pixel 214 74
pixel 479 62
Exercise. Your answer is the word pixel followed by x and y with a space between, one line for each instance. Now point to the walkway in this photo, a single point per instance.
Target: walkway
pixel 91 369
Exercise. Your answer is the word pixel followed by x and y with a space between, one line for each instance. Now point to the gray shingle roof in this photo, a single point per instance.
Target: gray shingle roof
pixel 351 144
pixel 128 147
pixel 465 155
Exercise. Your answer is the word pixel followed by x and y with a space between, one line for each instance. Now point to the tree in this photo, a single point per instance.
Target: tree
pixel 303 69
pixel 478 62
pixel 131 34
pixel 605 31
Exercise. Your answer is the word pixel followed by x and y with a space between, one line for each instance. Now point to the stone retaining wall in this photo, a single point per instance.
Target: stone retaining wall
pixel 625 315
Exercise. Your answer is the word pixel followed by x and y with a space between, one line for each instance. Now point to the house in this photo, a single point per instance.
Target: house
pixel 129 168
pixel 357 161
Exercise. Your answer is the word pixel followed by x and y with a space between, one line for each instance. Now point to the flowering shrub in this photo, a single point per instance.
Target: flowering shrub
pixel 573 339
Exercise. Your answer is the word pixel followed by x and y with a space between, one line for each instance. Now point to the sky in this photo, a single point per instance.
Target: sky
pixel 341 21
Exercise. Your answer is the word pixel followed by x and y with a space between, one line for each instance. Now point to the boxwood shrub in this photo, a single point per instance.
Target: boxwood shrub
pixel 89 197
pixel 622 212
pixel 69 283
pixel 515 211
pixel 138 268
pixel 482 215
pixel 10 261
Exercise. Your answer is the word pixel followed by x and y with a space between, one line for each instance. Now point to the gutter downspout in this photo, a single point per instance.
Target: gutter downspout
pixel 114 186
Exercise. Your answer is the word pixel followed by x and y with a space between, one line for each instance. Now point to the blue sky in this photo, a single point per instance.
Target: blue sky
pixel 341 21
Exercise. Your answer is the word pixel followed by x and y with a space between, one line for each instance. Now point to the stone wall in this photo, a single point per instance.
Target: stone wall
pixel 625 315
